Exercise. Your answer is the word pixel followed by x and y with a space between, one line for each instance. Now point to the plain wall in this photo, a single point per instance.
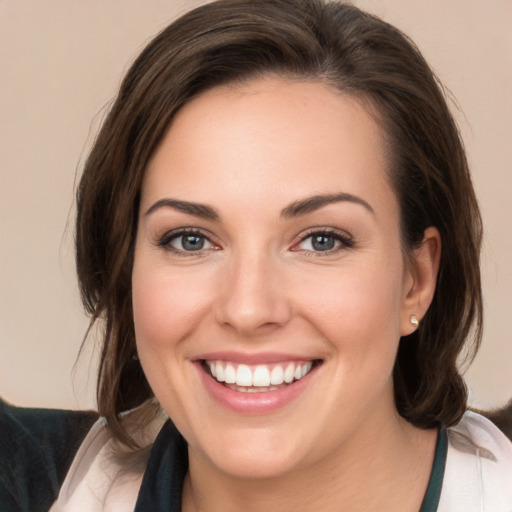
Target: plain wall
pixel 61 62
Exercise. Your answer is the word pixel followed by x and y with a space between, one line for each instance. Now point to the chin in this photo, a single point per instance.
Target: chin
pixel 253 455
pixel 256 466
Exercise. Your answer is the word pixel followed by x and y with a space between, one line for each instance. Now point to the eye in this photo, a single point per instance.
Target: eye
pixel 325 241
pixel 319 242
pixel 186 241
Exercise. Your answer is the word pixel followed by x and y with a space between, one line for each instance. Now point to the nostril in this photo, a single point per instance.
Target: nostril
pixel 250 299
pixel 249 318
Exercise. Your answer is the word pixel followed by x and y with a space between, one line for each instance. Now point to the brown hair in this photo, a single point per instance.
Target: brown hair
pixel 352 51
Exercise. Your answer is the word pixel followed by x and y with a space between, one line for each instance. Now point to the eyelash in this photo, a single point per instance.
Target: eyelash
pixel 169 237
pixel 343 240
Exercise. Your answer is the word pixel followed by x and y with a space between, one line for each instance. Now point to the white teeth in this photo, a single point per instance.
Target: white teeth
pixel 230 374
pixel 261 376
pixel 243 376
pixel 277 376
pixel 305 368
pixel 289 373
pixel 219 371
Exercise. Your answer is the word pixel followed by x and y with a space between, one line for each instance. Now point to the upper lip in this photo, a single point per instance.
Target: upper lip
pixel 252 358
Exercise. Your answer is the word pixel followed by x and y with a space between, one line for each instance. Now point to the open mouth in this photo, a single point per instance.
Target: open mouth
pixel 260 378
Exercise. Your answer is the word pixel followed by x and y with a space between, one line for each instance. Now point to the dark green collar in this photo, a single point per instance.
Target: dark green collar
pixel 435 484
pixel 162 483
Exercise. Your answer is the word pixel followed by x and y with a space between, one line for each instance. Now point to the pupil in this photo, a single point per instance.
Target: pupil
pixel 322 243
pixel 192 242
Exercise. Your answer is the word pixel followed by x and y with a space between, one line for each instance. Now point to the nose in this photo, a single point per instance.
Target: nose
pixel 252 298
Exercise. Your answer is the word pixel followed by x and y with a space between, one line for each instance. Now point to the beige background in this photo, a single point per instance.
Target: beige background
pixel 60 63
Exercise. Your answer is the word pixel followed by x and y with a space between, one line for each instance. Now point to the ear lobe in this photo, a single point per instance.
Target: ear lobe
pixel 421 284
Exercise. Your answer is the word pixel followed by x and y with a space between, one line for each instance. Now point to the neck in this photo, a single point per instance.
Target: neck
pixel 387 468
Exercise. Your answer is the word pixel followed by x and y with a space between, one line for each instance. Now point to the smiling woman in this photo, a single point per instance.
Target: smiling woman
pixel 277 281
pixel 277 228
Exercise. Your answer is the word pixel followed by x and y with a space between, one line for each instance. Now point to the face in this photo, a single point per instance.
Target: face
pixel 269 285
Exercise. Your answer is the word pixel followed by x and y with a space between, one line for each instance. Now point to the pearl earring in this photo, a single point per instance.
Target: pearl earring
pixel 414 321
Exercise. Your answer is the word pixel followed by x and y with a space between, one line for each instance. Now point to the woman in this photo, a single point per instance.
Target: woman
pixel 278 229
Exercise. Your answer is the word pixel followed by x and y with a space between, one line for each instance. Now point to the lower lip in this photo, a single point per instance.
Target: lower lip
pixel 254 403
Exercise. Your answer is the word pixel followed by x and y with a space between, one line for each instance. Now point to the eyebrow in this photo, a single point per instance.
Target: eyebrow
pixel 313 203
pixel 295 209
pixel 199 210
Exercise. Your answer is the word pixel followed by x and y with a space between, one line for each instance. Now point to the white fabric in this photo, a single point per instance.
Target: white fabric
pixel 478 474
pixel 96 481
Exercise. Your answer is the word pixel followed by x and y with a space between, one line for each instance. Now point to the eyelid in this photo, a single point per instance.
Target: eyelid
pixel 345 240
pixel 325 230
pixel 165 240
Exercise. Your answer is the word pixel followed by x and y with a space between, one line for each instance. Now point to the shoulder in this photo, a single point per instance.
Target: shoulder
pixel 478 473
pixel 104 474
pixel 37 447
pixel 484 435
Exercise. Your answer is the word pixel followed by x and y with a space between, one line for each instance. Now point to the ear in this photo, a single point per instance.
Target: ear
pixel 420 280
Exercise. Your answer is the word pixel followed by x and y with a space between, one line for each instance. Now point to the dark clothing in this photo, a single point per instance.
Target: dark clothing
pixel 37 447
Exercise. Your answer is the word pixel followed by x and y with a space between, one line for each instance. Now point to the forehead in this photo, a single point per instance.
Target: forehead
pixel 270 134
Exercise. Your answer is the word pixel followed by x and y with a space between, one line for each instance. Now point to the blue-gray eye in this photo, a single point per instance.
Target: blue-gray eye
pixel 189 242
pixel 192 242
pixel 325 241
pixel 322 242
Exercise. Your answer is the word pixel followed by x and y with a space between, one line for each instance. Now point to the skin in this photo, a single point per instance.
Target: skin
pixel 258 285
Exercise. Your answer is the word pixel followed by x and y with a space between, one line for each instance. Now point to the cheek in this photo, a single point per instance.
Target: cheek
pixel 166 305
pixel 166 309
pixel 358 310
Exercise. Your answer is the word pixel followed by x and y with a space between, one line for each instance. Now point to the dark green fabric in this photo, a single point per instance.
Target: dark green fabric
pixel 435 484
pixel 162 483
pixel 37 447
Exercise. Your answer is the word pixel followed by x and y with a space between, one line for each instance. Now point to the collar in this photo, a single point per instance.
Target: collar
pixel 162 483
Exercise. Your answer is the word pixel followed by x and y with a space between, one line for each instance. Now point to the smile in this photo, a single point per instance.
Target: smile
pixel 256 384
pixel 257 378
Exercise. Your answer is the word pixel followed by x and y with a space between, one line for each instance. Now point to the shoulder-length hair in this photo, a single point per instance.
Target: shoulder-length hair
pixel 352 51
